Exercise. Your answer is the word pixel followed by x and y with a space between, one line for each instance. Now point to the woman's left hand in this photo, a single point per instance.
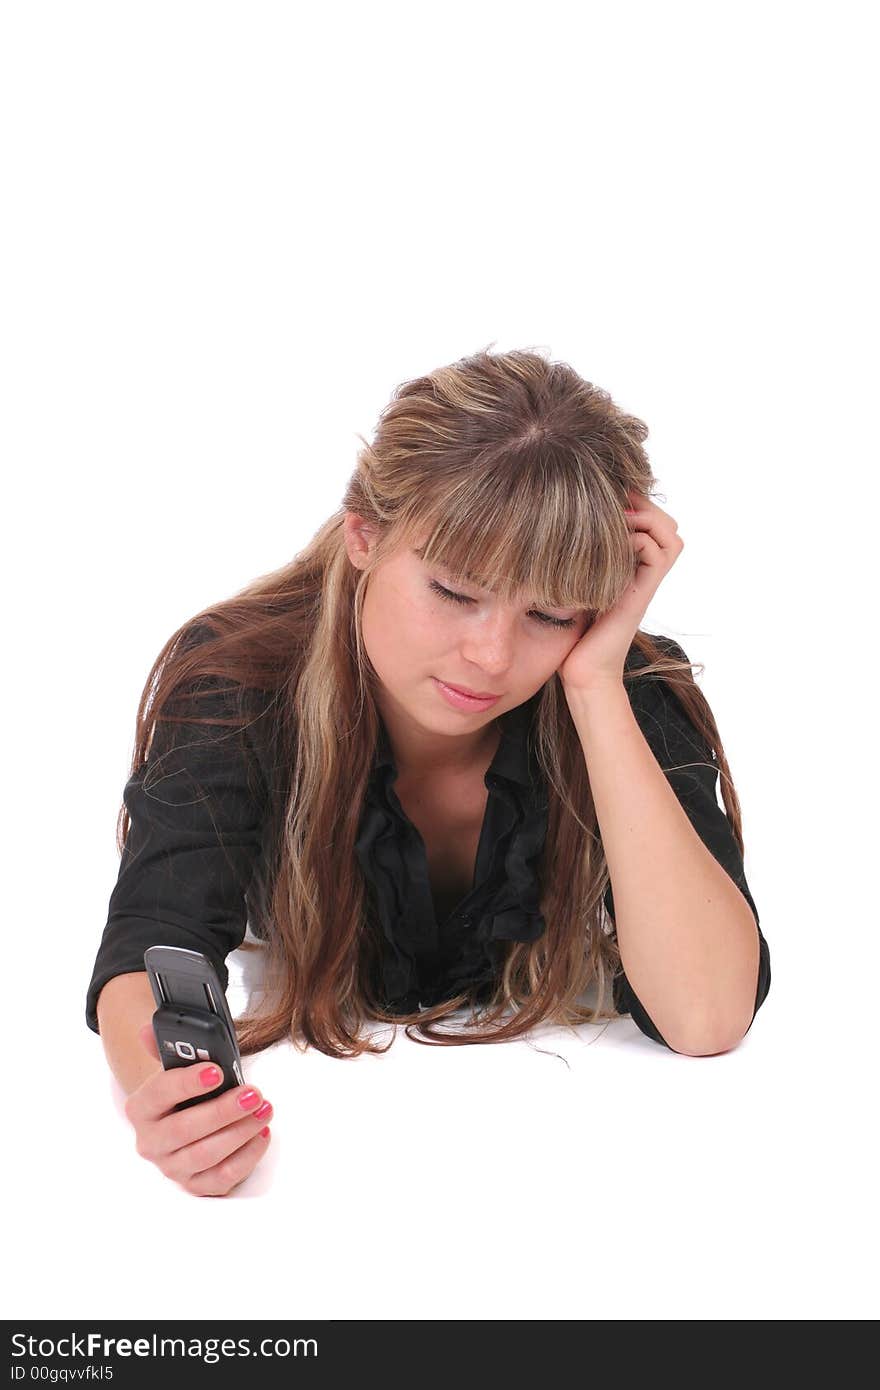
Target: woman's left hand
pixel 599 657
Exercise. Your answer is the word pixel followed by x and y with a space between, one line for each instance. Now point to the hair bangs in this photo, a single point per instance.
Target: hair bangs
pixel 546 545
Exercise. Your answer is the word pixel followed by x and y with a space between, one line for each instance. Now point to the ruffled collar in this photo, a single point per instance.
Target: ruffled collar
pixel 425 961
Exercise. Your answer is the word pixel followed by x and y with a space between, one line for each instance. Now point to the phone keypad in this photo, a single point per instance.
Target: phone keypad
pixel 201 1052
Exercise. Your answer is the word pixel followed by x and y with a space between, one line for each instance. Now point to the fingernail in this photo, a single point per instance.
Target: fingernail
pixel 264 1111
pixel 209 1076
pixel 248 1099
pixel 265 1132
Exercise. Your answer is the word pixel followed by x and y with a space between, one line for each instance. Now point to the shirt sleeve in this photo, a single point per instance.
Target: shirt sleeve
pixel 674 741
pixel 195 834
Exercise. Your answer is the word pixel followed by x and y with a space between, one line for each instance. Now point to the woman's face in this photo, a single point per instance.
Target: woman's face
pixel 413 634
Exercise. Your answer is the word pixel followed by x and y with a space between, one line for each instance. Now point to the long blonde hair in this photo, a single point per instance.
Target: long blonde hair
pixel 519 462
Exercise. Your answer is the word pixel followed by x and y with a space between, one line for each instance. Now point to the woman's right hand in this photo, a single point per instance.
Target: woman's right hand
pixel 209 1148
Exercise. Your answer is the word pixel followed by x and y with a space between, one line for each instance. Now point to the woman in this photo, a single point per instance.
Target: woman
pixel 402 852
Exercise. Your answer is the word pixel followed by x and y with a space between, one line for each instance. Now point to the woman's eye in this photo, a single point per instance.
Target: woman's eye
pixel 462 598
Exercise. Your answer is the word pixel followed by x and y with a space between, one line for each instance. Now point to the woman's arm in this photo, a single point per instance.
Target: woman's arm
pixel 687 936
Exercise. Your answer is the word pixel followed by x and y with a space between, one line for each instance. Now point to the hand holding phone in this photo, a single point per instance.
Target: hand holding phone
pixel 222 1133
pixel 210 1148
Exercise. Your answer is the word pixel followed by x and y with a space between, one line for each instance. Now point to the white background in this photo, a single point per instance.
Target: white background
pixel 228 232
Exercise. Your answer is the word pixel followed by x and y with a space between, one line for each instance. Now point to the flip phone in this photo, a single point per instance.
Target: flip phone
pixel 192 1022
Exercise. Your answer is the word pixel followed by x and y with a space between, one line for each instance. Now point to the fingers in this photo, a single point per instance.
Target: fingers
pixel 219 1180
pixel 209 1147
pixel 223 1156
pixel 165 1089
pixel 203 1134
pixel 656 525
pixel 222 1139
pixel 154 1102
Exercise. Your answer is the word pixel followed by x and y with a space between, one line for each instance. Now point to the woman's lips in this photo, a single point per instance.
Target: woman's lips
pixel 474 694
pixel 454 697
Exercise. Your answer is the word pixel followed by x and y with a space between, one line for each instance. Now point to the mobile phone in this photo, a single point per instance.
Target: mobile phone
pixel 192 1022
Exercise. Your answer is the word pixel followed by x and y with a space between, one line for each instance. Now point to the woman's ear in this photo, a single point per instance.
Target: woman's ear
pixel 360 538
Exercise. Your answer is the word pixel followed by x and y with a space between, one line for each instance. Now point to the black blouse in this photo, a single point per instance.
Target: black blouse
pixel 204 820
